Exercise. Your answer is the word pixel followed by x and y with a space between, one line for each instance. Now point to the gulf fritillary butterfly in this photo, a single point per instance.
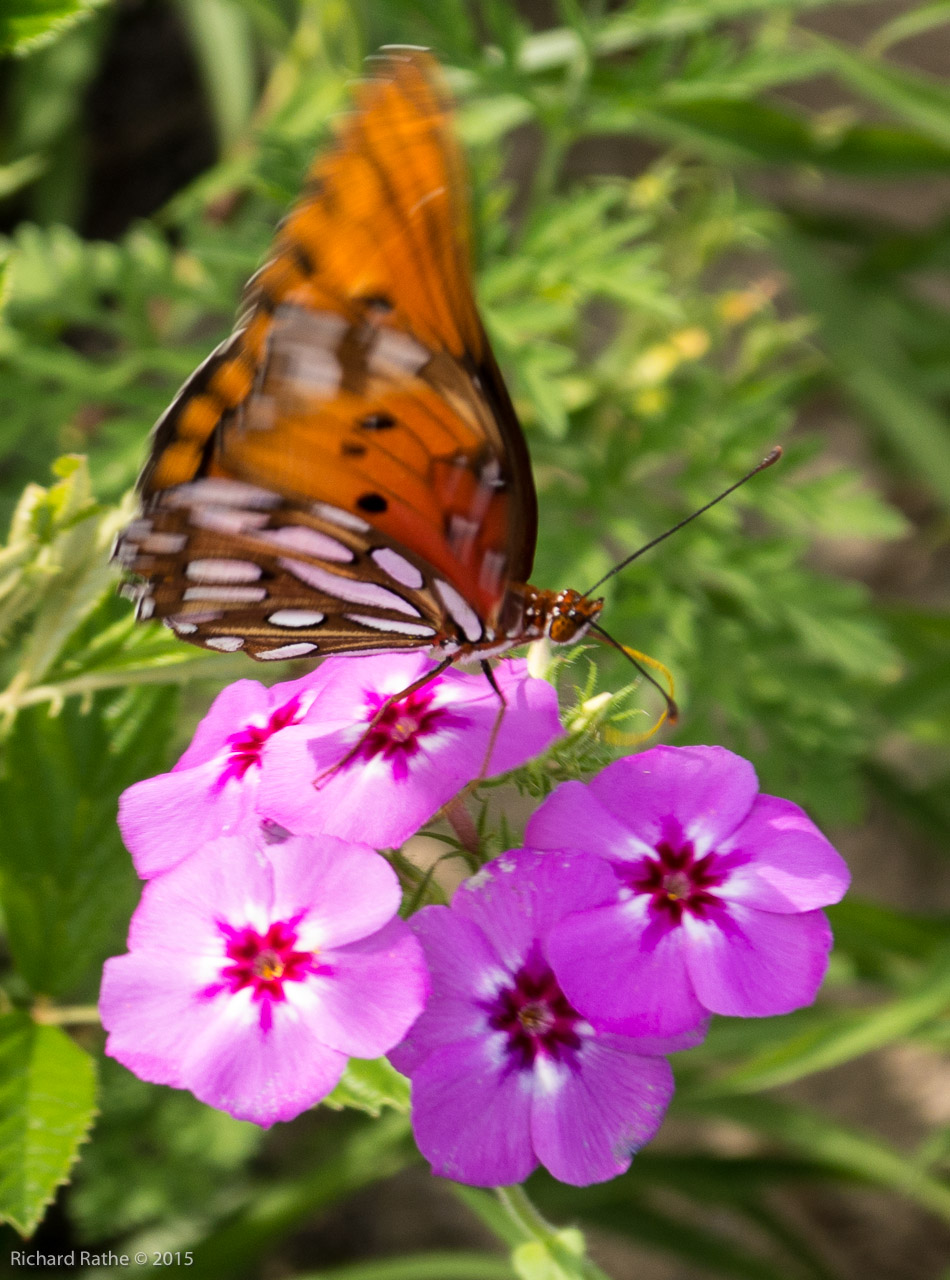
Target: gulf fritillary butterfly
pixel 346 472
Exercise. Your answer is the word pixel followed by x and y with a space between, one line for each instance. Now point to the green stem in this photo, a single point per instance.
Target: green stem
pixel 533 1226
pixel 524 1214
pixel 512 1217
pixel 13 699
pixel 66 1015
pixel 461 822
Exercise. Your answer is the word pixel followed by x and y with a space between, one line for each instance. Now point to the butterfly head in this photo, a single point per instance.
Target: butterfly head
pixel 569 615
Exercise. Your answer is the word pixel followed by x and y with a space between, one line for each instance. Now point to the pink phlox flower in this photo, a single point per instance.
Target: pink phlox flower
pixel 423 750
pixel 256 969
pixel 716 894
pixel 506 1071
pixel 268 755
pixel 213 789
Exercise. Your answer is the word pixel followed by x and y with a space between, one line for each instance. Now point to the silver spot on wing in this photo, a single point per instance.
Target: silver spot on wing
pixel 296 618
pixel 460 610
pixel 297 650
pixel 398 567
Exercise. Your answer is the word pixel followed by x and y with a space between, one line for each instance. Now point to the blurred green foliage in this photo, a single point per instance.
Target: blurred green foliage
pixel 662 324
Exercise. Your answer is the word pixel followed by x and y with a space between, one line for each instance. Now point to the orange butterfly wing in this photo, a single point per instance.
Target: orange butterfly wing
pixel 353 440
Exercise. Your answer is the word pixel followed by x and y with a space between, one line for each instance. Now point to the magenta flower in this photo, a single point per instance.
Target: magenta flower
pixel 422 751
pixel 256 968
pixel 506 1072
pixel 213 789
pixel 263 754
pixel 714 905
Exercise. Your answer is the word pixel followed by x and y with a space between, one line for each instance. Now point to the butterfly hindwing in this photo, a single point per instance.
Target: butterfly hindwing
pixel 360 384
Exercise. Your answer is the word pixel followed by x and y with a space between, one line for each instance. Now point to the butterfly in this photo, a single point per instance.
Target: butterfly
pixel 346 472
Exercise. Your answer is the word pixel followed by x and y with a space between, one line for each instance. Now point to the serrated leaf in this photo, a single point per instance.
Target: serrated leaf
pixel 47 1105
pixel 27 24
pixel 66 882
pixel 370 1086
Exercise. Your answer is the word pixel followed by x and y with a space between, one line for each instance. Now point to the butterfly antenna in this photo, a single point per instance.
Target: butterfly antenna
pixel 769 461
pixel 672 710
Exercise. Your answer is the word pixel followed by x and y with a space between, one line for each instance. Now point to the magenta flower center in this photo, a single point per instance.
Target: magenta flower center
pixel 403 726
pixel 679 882
pixel 265 963
pixel 536 1016
pixel 245 746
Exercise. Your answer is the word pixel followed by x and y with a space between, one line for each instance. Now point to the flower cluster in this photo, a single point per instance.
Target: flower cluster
pixel 266 948
pixel 535 1014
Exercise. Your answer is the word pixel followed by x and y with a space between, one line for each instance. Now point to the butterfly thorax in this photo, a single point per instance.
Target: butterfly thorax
pixel 563 617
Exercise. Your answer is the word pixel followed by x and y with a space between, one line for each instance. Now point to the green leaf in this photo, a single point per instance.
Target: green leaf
pixel 222 37
pixel 871 366
pixel 841 1036
pixel 843 1150
pixel 19 173
pixel 55 566
pixel 421 1266
pixel 47 1105
pixel 754 132
pixel 370 1086
pixel 674 1232
pixel 66 882
pixel 921 101
pixel 27 24
pixel 371 1152
pixel 921 17
pixel 639 24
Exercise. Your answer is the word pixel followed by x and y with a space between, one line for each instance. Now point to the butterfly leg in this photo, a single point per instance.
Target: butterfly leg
pixel 381 711
pixel 496 727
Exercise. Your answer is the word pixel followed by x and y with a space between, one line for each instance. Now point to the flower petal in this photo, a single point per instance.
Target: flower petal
pixel 624 973
pixel 346 890
pixel 164 819
pixel 788 864
pixel 587 1123
pixel 762 963
pixel 256 1074
pixel 572 818
pixel 520 895
pixel 383 800
pixel 230 880
pixel 375 991
pixel 237 705
pixel 471 1119
pixel 465 974
pixel 700 793
pixel 150 1036
pixel 380 802
pixel 530 722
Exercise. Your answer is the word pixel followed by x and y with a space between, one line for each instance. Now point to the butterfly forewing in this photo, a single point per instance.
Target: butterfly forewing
pixel 346 471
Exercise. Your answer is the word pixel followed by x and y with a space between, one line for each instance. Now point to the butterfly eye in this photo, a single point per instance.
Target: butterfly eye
pixel 564 628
